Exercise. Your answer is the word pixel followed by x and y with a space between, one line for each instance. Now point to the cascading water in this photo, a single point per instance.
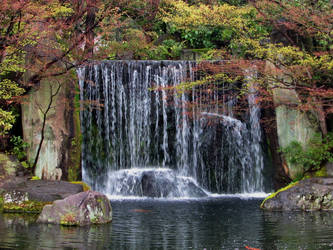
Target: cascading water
pixel 141 139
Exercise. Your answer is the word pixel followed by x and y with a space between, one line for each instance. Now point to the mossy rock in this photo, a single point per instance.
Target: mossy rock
pixel 309 194
pixel 25 207
pixel 9 165
pixel 69 219
pixel 277 192
pixel 32 196
pixel 1 203
pixel 21 217
pixel 18 202
pixel 81 209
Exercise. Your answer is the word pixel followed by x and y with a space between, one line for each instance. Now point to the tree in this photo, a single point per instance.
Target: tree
pixel 306 52
pixel 211 26
pixel 295 36
pixel 46 40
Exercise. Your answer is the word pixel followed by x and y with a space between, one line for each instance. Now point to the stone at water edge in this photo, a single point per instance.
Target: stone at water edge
pixel 81 209
pixel 307 195
pixel 31 196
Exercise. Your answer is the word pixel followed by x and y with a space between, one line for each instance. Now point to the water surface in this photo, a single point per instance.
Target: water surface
pixel 212 223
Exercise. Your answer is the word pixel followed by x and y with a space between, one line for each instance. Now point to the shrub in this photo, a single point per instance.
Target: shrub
pixel 312 156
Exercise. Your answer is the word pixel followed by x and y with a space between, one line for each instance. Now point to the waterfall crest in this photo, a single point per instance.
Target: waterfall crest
pixel 130 120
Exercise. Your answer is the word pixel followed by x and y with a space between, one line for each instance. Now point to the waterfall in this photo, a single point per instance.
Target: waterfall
pixel 137 132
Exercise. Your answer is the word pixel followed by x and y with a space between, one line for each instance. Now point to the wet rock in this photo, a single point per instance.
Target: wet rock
pixel 155 186
pixel 78 210
pixel 308 195
pixel 154 183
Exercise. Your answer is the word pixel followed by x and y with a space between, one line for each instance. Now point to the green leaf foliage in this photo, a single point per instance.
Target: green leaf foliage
pixel 19 148
pixel 313 155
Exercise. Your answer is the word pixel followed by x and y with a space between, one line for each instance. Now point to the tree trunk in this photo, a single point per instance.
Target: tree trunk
pixel 42 132
pixel 90 36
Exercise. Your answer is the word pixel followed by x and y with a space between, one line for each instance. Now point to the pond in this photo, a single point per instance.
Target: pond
pixel 211 223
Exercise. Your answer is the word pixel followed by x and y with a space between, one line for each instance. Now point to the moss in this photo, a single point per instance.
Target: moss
pixel 1 203
pixel 321 172
pixel 85 186
pixel 29 218
pixel 75 147
pixel 280 190
pixel 8 164
pixel 24 207
pixel 95 220
pixel 68 219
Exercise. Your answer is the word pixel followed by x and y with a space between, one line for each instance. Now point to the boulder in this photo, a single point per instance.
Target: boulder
pixel 81 209
pixel 153 183
pixel 307 195
pixel 31 196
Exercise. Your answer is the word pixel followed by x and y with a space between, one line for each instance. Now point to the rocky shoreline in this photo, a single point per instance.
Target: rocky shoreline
pixel 311 194
pixel 57 202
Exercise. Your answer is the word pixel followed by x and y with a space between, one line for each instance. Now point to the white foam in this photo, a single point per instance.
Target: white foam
pixel 244 196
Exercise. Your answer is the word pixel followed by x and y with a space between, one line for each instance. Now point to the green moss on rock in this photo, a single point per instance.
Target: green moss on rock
pixel 280 190
pixel 321 172
pixel 75 147
pixel 69 219
pixel 24 207
pixel 1 203
pixel 9 164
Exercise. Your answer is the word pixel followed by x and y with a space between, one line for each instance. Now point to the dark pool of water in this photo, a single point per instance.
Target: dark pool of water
pixel 221 223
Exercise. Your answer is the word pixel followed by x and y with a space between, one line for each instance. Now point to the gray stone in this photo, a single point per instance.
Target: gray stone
pixel 329 169
pixel 21 196
pixel 81 209
pixel 308 195
pixel 293 124
pixel 45 191
pixel 59 133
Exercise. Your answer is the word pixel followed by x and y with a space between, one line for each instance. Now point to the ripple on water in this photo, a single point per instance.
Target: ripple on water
pixel 211 223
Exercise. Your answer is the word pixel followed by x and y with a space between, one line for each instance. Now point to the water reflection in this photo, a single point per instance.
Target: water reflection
pixel 299 230
pixel 211 224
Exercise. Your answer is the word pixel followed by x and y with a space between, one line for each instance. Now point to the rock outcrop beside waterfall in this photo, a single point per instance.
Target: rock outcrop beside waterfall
pixel 293 124
pixel 61 145
pixel 84 208
pixel 307 195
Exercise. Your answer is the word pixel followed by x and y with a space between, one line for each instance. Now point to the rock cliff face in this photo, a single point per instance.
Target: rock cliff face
pixel 293 124
pixel 60 147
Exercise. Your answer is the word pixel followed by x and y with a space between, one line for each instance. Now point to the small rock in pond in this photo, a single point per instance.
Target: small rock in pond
pixel 81 209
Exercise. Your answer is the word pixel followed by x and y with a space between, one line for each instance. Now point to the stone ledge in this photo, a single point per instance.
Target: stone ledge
pixel 32 196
